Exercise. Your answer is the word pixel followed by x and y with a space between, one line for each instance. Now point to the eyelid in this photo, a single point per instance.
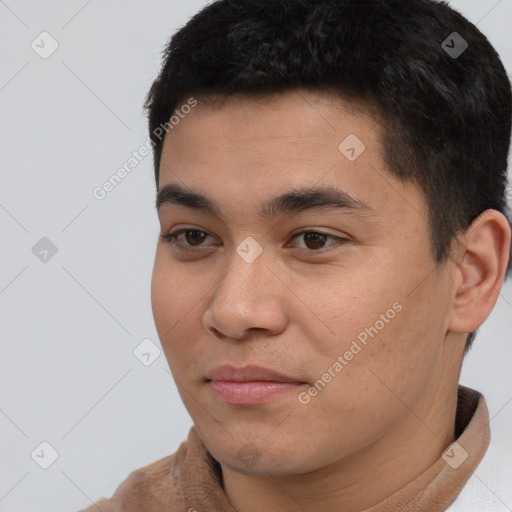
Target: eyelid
pixel 313 229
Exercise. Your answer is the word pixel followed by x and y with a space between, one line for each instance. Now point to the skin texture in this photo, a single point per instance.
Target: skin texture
pixel 389 413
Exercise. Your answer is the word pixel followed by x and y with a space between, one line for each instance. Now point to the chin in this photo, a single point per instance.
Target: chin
pixel 251 456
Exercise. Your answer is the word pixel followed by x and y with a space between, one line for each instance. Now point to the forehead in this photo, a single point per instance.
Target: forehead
pixel 281 133
pixel 297 113
pixel 243 149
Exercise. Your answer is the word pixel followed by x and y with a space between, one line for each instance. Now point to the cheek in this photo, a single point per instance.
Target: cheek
pixel 174 288
pixel 398 359
pixel 379 331
pixel 163 297
pixel 350 311
pixel 174 297
pixel 179 297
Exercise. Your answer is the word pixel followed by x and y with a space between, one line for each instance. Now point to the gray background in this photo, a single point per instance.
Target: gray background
pixel 69 326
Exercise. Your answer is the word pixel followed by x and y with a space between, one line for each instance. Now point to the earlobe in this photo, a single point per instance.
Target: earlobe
pixel 480 270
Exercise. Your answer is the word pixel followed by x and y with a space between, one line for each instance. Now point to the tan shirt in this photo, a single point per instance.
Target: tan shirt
pixel 190 480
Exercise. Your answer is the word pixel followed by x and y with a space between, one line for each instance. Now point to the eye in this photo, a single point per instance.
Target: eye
pixel 315 240
pixel 191 237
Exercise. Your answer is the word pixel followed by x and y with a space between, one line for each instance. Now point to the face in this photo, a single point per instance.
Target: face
pixel 280 269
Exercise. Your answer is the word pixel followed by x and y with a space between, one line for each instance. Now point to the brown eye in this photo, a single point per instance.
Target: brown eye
pixel 194 237
pixel 189 238
pixel 315 241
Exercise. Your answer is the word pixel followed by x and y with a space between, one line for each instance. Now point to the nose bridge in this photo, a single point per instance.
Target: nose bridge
pixel 246 297
pixel 247 275
pixel 248 267
pixel 245 283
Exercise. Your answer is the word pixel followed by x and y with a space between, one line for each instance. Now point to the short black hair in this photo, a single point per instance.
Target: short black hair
pixel 446 114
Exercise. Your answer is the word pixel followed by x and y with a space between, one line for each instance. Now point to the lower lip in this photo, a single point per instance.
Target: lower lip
pixel 250 393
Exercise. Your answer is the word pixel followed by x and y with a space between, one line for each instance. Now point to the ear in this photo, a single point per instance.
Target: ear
pixel 483 254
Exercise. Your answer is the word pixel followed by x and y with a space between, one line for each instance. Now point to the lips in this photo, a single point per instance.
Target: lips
pixel 250 385
pixel 249 373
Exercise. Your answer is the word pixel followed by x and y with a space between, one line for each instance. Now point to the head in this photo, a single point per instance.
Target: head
pixel 282 109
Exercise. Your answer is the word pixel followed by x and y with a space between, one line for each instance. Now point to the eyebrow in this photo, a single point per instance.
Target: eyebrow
pixel 287 204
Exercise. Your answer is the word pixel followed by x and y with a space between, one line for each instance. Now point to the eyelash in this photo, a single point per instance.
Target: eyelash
pixel 171 237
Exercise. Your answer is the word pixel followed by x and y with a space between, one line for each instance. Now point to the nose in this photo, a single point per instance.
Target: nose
pixel 249 297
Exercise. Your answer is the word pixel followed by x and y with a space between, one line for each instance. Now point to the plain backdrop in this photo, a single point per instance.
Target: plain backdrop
pixel 71 321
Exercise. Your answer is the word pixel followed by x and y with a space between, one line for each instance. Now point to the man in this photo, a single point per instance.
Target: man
pixel 331 192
